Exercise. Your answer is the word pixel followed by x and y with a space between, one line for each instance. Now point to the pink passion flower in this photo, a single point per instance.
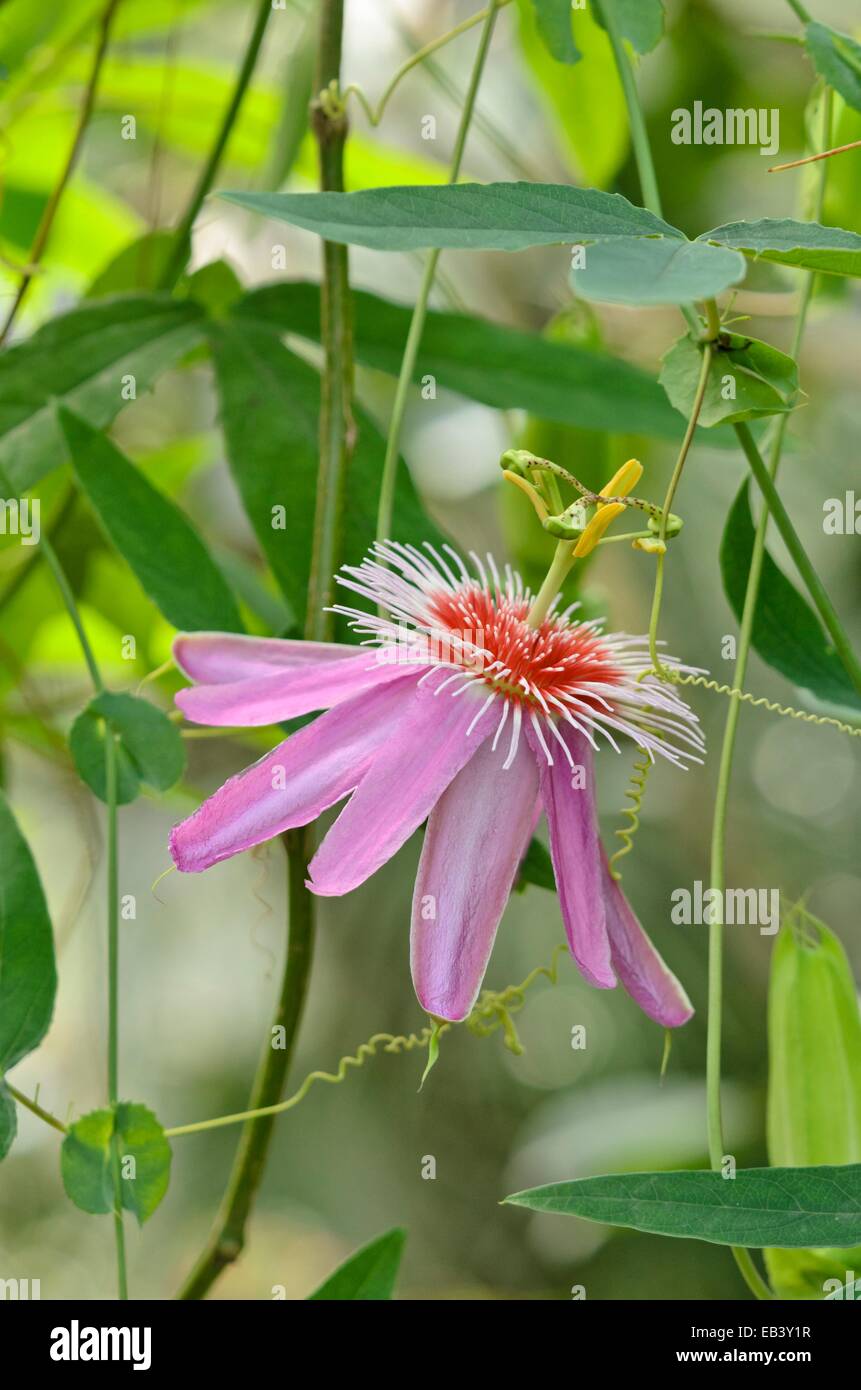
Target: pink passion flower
pixel 457 712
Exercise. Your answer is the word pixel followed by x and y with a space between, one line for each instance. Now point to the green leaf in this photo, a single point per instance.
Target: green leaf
pixel 149 746
pixel 814 1040
pixel 654 270
pixel 584 104
pixel 764 381
pixel 787 633
pixel 837 58
pixel 8 1121
pixel 553 21
pixel 536 867
pixel 151 533
pixel 370 1274
pixel 488 362
pixel 641 22
pixel 787 1207
pixel 144 1153
pixel 468 216
pixel 275 464
pixel 80 359
pixel 28 974
pixel 137 267
pixel 787 242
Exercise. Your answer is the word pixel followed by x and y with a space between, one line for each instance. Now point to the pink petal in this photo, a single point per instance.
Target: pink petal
pixel 421 755
pixel 216 658
pixel 575 848
pixel 284 694
pixel 476 835
pixel 290 786
pixel 642 971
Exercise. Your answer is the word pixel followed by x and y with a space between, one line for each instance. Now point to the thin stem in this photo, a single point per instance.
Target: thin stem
pixel 228 1237
pixel 375 114
pixel 672 487
pixel 803 14
pixel 113 998
pixel 790 538
pixel 35 1109
pixel 47 220
pixel 814 158
pixel 390 463
pixel 53 562
pixel 636 119
pixel 182 236
pixel 717 875
pixel 336 442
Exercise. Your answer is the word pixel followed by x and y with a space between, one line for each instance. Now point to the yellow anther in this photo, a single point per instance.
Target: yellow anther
pixel 596 528
pixel 623 480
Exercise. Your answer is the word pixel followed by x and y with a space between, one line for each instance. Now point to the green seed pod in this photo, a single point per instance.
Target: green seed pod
pixel 814 1084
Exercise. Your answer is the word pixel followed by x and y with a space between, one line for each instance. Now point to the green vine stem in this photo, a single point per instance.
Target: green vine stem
pixel 390 463
pixel 336 442
pixel 803 14
pixel 46 222
pixel 375 113
pixel 181 248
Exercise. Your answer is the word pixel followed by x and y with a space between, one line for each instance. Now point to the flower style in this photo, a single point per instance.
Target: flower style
pixel 457 711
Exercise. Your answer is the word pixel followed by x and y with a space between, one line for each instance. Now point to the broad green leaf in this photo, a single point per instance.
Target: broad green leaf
pixel 747 379
pixel 137 267
pixel 469 216
pixel 275 464
pixel 149 746
pixel 584 103
pixel 370 1274
pixel 488 362
pixel 8 1121
pixel 536 867
pixel 553 22
pixel 788 1207
pixel 144 1153
pixel 787 634
pixel 654 270
pixel 84 359
pixel 837 58
pixel 168 557
pixel 814 1081
pixel 641 22
pixel 807 245
pixel 28 974
pixel 215 287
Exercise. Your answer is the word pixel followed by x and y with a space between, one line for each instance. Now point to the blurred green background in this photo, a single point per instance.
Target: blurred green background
pixel 200 962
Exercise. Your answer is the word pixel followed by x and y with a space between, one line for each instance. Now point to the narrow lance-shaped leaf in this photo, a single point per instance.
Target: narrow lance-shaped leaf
pixel 837 58
pixel 88 359
pixel 28 975
pixel 641 22
pixel 470 216
pixel 144 1153
pixel 368 1275
pixel 275 465
pixel 807 245
pixel 786 1207
pixel 553 21
pixel 787 633
pixel 151 533
pixel 488 362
